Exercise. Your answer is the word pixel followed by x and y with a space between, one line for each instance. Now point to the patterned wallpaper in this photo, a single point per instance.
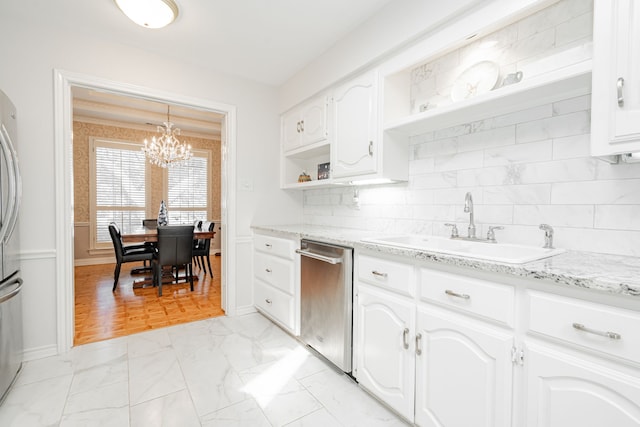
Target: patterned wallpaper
pixel 82 132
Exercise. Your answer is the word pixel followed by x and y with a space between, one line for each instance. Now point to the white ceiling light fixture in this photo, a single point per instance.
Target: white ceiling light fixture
pixel 166 150
pixel 149 13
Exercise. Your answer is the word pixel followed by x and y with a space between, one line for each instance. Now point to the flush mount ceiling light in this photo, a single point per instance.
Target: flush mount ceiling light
pixel 149 13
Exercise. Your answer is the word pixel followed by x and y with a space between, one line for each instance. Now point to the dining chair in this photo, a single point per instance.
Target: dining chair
pixel 131 253
pixel 202 249
pixel 175 248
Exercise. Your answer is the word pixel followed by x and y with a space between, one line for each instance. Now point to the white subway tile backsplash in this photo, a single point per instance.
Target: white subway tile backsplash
pixel 555 127
pixel 435 180
pixel 532 194
pixel 559 171
pixel 572 105
pixel 497 175
pixel 487 139
pixel 555 215
pixel 594 240
pixel 612 192
pixel 520 153
pixel 618 217
pixel 466 160
pixel 572 147
pixel 580 27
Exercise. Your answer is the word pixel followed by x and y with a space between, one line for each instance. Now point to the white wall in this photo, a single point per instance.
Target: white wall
pixel 32 47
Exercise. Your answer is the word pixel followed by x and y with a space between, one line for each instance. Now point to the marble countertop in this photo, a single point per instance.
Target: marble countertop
pixel 614 274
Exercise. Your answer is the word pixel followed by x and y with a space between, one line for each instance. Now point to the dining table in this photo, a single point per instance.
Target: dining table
pixel 150 234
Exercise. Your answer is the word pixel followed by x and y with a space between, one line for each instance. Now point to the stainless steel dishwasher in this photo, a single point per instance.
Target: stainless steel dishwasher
pixel 326 300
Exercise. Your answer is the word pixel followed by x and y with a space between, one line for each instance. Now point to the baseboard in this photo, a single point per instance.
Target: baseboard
pixel 39 352
pixel 245 310
pixel 93 261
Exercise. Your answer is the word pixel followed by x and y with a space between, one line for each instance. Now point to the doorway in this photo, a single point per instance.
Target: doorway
pixel 64 82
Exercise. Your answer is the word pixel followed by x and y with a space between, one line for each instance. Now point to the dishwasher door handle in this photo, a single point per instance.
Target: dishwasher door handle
pixel 319 257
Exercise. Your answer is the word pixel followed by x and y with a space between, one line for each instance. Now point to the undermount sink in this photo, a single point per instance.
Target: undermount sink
pixel 500 252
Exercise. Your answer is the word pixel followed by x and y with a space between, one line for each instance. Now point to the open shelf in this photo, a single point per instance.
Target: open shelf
pixel 567 82
pixel 306 158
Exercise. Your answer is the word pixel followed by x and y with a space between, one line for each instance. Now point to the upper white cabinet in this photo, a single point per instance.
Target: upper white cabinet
pixel 355 118
pixel 615 109
pixel 305 143
pixel 306 124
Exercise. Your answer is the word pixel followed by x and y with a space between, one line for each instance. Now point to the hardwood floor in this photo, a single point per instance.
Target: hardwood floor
pixel 101 314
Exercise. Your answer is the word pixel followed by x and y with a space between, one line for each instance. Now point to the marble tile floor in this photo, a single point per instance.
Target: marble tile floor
pixel 224 371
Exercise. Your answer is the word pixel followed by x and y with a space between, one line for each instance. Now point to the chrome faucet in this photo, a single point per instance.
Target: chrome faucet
pixel 468 208
pixel 548 235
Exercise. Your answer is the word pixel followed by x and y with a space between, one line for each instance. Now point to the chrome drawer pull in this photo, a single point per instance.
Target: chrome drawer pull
pixel 268 270
pixel 268 301
pixel 377 273
pixel 405 338
pixel 457 295
pixel 268 245
pixel 612 335
pixel 619 85
pixel 418 344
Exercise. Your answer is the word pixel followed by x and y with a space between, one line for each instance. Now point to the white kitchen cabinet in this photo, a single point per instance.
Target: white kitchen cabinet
pixel 385 356
pixel 615 103
pixel 565 390
pixel 306 124
pixel 276 280
pixel 355 114
pixel 464 371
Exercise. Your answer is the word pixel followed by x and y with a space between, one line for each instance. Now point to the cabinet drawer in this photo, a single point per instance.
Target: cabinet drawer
pixel 388 274
pixel 273 245
pixel 483 298
pixel 275 271
pixel 555 316
pixel 274 303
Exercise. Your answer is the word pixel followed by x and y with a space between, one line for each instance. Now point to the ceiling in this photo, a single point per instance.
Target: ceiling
pixel 99 107
pixel 264 41
pixel 267 41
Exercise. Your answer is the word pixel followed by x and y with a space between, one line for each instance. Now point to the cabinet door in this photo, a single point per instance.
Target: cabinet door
pixel 566 391
pixel 463 372
pixel 290 130
pixel 355 117
pixel 385 362
pixel 616 77
pixel 313 121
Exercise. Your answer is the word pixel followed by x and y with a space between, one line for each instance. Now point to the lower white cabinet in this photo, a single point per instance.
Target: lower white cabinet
pixel 451 350
pixel 276 280
pixel 385 357
pixel 432 366
pixel 564 390
pixel 463 372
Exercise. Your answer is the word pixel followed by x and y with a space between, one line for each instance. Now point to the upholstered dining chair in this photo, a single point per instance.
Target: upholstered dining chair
pixel 175 248
pixel 202 249
pixel 131 253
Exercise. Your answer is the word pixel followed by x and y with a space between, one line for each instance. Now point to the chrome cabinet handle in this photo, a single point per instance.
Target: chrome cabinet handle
pixel 268 245
pixel 607 334
pixel 418 344
pixel 457 295
pixel 619 86
pixel 268 301
pixel 377 273
pixel 302 126
pixel 268 270
pixel 371 148
pixel 405 338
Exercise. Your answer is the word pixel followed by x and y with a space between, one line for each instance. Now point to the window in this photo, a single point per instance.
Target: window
pixel 187 189
pixel 118 188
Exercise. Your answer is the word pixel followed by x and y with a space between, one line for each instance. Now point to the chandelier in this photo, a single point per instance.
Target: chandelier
pixel 166 150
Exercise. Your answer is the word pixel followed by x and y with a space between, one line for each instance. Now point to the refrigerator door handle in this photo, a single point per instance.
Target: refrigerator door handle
pixel 14 292
pixel 14 185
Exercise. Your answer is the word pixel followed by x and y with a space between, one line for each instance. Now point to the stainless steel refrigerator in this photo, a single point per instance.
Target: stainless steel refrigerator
pixel 10 280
